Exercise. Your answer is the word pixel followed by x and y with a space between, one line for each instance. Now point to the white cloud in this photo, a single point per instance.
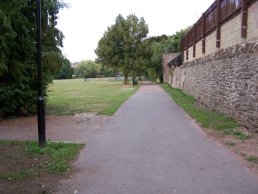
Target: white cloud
pixel 84 23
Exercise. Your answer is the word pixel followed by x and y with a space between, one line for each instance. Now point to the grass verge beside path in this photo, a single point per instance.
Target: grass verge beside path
pixel 206 118
pixel 220 127
pixel 22 160
pixel 26 168
pixel 67 97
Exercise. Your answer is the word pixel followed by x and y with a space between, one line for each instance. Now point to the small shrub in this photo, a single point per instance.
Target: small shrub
pixel 230 143
pixel 253 159
pixel 238 134
pixel 228 131
pixel 241 135
pixel 243 154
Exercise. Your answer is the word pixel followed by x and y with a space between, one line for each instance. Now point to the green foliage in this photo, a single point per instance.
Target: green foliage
pixel 58 154
pixel 158 49
pixel 237 133
pixel 18 98
pixel 250 158
pixel 66 71
pixel 253 159
pixel 17 175
pixel 86 69
pixel 18 77
pixel 174 42
pixel 157 46
pixel 105 71
pixel 206 118
pixel 90 69
pixel 122 45
pixel 230 143
pixel 151 74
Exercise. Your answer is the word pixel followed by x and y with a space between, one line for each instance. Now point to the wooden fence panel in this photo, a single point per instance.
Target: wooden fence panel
pixel 228 7
pixel 191 37
pixel 199 29
pixel 211 18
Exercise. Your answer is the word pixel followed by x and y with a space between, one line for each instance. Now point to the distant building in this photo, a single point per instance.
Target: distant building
pixel 73 65
pixel 169 60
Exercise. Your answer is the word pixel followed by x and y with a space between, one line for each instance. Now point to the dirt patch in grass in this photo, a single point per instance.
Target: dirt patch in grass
pixel 244 147
pixel 18 174
pixel 77 128
pixel 25 168
pixel 37 185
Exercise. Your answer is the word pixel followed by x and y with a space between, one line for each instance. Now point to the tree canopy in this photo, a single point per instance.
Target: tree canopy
pixel 122 44
pixel 125 45
pixel 18 79
pixel 159 45
pixel 66 71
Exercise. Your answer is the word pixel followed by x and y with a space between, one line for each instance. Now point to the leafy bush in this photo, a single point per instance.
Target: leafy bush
pixel 66 71
pixel 18 70
pixel 18 98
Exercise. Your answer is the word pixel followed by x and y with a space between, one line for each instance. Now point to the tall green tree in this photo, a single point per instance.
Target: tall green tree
pixel 174 42
pixel 86 69
pixel 158 46
pixel 119 47
pixel 66 71
pixel 18 79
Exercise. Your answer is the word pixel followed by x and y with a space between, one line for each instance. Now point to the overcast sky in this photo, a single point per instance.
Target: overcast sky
pixel 84 23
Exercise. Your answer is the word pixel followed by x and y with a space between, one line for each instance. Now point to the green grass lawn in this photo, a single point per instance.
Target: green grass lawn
pixel 207 118
pixel 67 97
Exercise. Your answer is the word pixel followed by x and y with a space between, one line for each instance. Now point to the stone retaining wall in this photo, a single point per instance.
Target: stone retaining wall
pixel 225 81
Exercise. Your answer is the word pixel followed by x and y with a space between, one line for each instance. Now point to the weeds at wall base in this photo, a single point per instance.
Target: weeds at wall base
pixel 206 118
pixel 220 128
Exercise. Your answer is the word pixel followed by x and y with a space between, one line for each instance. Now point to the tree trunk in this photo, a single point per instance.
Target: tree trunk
pixel 126 78
pixel 134 81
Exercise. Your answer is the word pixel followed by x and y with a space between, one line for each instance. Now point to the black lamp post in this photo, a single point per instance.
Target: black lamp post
pixel 40 98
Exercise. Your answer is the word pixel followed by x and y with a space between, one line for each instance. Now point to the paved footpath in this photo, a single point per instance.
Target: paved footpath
pixel 151 146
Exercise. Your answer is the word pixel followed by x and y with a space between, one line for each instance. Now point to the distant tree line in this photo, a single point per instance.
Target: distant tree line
pixel 148 63
pixel 90 69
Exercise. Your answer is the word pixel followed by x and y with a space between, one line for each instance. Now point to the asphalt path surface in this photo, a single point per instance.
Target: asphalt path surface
pixel 151 146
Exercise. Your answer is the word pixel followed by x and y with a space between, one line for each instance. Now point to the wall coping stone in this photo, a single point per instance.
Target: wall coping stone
pixel 250 47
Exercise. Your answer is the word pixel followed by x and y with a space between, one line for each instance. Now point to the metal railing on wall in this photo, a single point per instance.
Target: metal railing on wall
pixel 216 15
